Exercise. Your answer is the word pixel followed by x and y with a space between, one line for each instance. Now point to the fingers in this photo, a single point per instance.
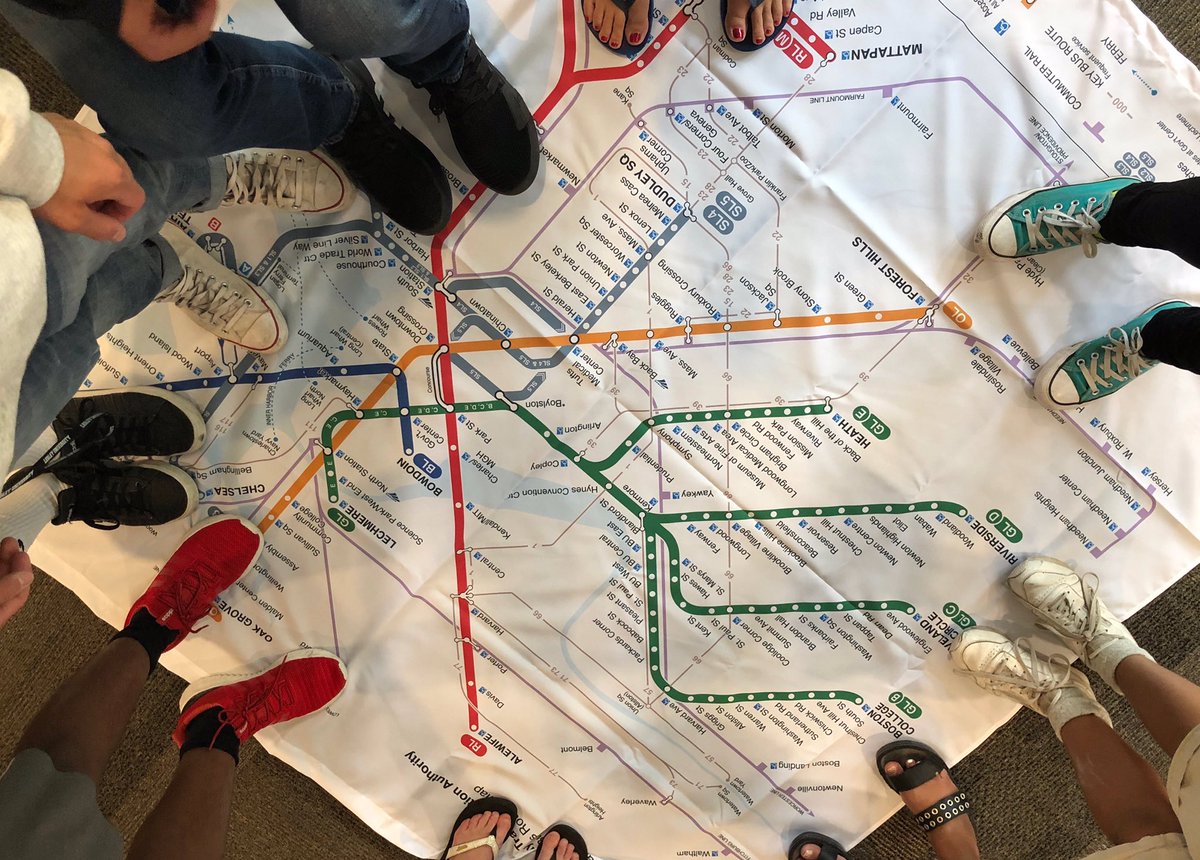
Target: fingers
pixel 16 576
pixel 12 607
pixel 93 224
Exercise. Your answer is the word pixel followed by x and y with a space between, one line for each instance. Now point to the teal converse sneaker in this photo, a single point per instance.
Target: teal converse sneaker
pixel 1046 219
pixel 1096 368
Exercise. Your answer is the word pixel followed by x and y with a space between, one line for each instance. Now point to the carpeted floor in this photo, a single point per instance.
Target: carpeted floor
pixel 1026 803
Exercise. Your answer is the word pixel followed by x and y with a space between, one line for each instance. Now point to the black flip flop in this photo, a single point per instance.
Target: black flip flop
pixel 830 850
pixel 502 805
pixel 929 766
pixel 626 50
pixel 747 44
pixel 568 834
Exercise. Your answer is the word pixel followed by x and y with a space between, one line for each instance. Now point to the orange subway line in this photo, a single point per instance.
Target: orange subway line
pixel 706 328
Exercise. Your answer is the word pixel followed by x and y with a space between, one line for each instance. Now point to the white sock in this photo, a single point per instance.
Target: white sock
pixel 40 446
pixel 1073 702
pixel 1105 653
pixel 30 508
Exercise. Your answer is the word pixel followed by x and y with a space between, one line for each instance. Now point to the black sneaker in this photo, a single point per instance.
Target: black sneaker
pixel 106 494
pixel 490 123
pixel 146 422
pixel 391 165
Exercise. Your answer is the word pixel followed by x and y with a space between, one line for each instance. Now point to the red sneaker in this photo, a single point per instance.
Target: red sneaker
pixel 210 559
pixel 297 684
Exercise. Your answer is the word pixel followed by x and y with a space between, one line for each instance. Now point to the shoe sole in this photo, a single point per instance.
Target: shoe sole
pixel 983 235
pixel 212 682
pixel 185 406
pixel 180 477
pixel 183 239
pixel 1046 374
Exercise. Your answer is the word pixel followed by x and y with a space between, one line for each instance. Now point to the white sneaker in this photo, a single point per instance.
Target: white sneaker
pixel 221 301
pixel 1066 603
pixel 1014 670
pixel 289 179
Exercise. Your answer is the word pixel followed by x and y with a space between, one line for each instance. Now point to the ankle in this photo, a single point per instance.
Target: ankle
pixel 1069 704
pixel 147 632
pixel 1106 654
pixel 207 731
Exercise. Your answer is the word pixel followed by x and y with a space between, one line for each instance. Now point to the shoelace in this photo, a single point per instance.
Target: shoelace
pixel 182 600
pixel 91 498
pixel 1119 360
pixel 88 437
pixel 212 299
pixel 477 82
pixel 256 702
pixel 134 430
pixel 1089 584
pixel 270 179
pixel 1037 674
pixel 1065 227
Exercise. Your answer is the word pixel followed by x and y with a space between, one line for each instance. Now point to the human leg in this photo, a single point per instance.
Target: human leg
pixel 1172 336
pixel 219 714
pixel 231 93
pixel 1158 215
pixel 1124 792
pixel 429 42
pixel 191 820
pixel 422 40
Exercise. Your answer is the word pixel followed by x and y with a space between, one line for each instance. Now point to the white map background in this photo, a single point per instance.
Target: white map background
pixel 502 616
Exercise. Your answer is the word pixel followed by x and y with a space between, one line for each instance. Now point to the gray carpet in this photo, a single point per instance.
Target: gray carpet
pixel 1026 803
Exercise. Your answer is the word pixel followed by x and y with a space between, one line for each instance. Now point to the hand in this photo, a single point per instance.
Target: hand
pixel 157 35
pixel 98 193
pixel 16 575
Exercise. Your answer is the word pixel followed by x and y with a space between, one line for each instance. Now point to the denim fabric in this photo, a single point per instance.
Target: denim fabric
pixel 91 286
pixel 234 92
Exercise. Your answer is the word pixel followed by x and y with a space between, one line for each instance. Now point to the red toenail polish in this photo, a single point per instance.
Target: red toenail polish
pixel 738 34
pixel 636 37
pixel 758 40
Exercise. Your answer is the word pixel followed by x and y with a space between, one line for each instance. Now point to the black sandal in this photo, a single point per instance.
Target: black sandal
pixel 830 850
pixel 568 834
pixel 478 807
pixel 929 766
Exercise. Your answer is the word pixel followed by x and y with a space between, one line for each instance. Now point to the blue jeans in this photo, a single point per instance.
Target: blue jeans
pixel 91 286
pixel 234 92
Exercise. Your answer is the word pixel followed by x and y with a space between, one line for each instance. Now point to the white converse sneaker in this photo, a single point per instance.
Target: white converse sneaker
pixel 288 179
pixel 1066 602
pixel 221 301
pixel 1014 669
pixel 1045 684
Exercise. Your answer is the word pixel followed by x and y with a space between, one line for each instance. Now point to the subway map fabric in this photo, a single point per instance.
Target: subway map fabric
pixel 653 498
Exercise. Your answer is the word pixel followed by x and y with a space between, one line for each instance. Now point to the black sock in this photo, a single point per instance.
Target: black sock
pixel 148 633
pixel 206 731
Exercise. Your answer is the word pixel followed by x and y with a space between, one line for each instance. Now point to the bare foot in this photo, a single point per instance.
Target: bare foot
pixel 554 847
pixel 812 852
pixel 611 22
pixel 479 827
pixel 759 23
pixel 952 841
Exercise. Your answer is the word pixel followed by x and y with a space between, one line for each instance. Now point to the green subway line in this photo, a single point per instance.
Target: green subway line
pixel 799 513
pixel 770 607
pixel 685 417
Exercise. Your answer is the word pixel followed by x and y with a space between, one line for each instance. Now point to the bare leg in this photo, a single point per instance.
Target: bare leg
pixel 1168 705
pixel 192 819
pixel 1124 793
pixel 952 841
pixel 85 718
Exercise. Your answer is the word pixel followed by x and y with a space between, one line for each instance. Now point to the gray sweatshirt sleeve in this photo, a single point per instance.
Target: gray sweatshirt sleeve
pixel 31 153
pixel 105 14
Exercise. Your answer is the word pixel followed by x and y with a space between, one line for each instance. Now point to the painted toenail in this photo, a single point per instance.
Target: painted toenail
pixel 738 34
